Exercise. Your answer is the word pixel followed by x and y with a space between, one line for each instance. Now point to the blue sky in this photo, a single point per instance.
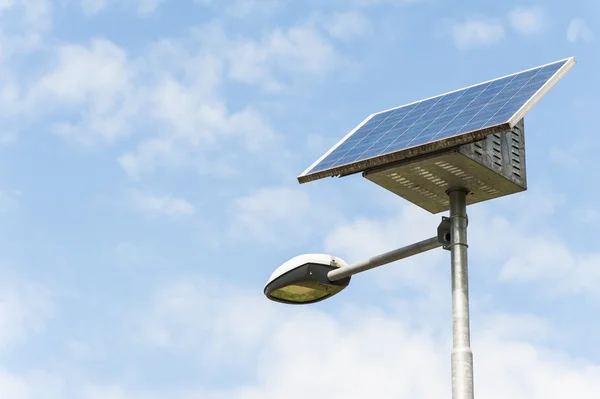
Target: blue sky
pixel 148 159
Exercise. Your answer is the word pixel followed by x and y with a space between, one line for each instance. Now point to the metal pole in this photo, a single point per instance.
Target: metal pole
pixel 462 357
pixel 383 259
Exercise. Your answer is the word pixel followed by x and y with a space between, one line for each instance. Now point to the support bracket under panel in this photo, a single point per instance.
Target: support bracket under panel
pixel 489 168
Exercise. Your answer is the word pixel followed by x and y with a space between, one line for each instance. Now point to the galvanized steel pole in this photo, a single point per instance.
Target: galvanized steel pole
pixel 462 357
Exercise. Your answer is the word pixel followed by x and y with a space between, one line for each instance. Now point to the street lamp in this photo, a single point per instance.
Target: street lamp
pixel 304 279
pixel 442 154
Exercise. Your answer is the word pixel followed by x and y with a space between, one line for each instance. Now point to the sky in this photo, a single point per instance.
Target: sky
pixel 149 151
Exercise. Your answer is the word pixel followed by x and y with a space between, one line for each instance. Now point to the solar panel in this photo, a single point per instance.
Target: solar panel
pixel 459 117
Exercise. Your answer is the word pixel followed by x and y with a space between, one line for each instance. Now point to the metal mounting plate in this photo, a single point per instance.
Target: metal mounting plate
pixel 490 168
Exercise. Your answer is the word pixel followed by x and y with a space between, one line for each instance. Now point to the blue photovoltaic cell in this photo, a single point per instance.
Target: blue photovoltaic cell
pixel 474 108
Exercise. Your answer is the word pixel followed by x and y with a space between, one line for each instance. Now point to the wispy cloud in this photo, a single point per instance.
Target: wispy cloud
pixel 477 32
pixel 528 21
pixel 385 2
pixel 279 214
pixel 579 31
pixel 8 199
pixel 108 100
pixel 301 49
pixel 530 251
pixel 25 308
pixel 6 4
pixel 147 7
pixel 30 21
pixel 247 8
pixel 143 8
pixel 159 205
pixel 171 91
pixel 216 100
pixel 347 25
pixel 482 31
pixel 226 338
pixel 588 215
pixel 363 238
pixel 91 7
pixel 549 261
pixel 565 156
pixel 146 93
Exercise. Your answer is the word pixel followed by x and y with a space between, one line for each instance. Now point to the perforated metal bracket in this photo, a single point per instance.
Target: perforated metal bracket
pixel 443 233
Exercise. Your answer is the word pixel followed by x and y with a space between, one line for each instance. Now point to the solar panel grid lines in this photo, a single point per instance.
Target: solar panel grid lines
pixel 472 95
pixel 510 76
pixel 481 108
pixel 544 89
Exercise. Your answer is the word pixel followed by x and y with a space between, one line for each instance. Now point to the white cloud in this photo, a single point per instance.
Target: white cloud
pixel 529 249
pixel 410 368
pixel 528 21
pixel 30 22
pixel 25 307
pixel 363 238
pixel 518 369
pixel 105 102
pixel 191 119
pixel 279 214
pixel 299 50
pixel 147 7
pixel 550 262
pixel 347 25
pixel 279 203
pixel 13 387
pixel 177 104
pixel 565 156
pixel 185 316
pixel 91 7
pixel 36 14
pixel 6 4
pixel 104 392
pixel 34 385
pixel 185 111
pixel 385 2
pixel 171 92
pixel 143 8
pixel 579 31
pixel 70 80
pixel 149 155
pixel 519 250
pixel 246 8
pixel 477 32
pixel 82 351
pixel 194 116
pixel 195 130
pixel 501 326
pixel 159 205
pixel 588 215
pixel 536 205
pixel 279 348
pixel 288 346
pixel 8 199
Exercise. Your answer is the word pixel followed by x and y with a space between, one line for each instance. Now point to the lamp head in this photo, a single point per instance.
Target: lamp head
pixel 303 279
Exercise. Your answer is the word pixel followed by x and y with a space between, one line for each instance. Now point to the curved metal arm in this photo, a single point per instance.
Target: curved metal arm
pixel 383 259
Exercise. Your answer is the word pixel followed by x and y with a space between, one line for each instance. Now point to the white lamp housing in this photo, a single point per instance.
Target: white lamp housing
pixel 303 279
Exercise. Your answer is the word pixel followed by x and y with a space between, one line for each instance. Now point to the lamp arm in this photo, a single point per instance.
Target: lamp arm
pixel 385 258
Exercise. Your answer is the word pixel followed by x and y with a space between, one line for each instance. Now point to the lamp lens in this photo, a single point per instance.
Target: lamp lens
pixel 300 293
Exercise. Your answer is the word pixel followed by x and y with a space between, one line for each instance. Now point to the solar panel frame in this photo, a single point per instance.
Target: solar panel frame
pixel 437 145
